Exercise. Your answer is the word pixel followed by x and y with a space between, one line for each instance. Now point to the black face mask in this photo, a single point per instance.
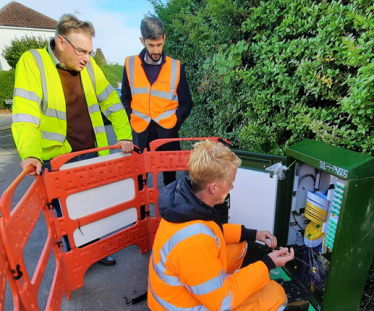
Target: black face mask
pixel 150 55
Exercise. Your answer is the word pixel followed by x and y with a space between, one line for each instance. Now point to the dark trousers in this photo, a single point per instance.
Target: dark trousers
pixel 169 177
pixel 55 202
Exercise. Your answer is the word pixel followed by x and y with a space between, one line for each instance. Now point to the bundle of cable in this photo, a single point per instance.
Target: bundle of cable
pixel 313 234
pixel 316 207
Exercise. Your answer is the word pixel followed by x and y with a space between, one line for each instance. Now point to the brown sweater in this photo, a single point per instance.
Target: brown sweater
pixel 80 134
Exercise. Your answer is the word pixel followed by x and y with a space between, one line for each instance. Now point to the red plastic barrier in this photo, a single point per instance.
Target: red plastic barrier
pixel 4 276
pixel 63 182
pixel 17 227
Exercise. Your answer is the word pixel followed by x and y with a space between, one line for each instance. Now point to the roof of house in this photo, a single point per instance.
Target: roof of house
pixel 17 15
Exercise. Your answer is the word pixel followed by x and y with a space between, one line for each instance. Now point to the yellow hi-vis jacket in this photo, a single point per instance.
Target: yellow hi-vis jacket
pixel 157 102
pixel 39 109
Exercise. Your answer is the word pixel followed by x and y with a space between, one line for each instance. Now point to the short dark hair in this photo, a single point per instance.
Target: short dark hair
pixel 152 28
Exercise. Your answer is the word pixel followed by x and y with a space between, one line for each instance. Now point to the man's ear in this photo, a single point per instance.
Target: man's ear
pixel 142 40
pixel 212 187
pixel 60 42
pixel 164 38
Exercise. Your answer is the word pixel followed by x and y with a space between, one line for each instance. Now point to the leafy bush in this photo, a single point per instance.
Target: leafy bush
pixel 17 47
pixel 113 73
pixel 266 74
pixel 99 57
pixel 6 86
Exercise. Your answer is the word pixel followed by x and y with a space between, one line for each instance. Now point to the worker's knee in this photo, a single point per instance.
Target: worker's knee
pixel 270 298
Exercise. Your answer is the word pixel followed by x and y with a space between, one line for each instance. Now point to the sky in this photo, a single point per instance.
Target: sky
pixel 116 22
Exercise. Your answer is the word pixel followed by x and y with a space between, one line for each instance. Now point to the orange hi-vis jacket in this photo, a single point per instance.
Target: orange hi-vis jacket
pixel 188 268
pixel 157 102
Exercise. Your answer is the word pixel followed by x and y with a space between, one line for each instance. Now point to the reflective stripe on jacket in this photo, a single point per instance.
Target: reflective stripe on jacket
pixel 157 102
pixel 188 268
pixel 39 109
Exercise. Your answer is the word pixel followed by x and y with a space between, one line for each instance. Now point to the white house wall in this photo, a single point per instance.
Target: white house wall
pixel 9 33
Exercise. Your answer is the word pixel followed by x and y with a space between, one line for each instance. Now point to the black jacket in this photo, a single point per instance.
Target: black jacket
pixel 177 203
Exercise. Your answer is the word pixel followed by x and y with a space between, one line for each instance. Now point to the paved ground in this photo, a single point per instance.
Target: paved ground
pixel 5 121
pixel 105 287
pixel 9 159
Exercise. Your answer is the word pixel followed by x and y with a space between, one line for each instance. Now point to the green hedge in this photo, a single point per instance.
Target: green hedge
pixel 113 73
pixel 13 52
pixel 6 86
pixel 266 74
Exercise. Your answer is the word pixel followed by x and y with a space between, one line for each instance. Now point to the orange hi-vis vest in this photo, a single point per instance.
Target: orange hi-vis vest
pixel 157 102
pixel 188 269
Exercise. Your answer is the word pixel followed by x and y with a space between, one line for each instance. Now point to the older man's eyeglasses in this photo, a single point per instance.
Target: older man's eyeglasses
pixel 79 52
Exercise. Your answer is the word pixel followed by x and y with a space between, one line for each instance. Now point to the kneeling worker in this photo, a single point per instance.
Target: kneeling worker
pixel 197 262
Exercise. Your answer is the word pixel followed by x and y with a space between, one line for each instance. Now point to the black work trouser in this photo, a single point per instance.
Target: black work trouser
pixel 169 177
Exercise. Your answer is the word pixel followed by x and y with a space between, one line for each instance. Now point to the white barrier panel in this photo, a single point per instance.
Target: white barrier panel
pixel 97 199
pixel 100 198
pixel 104 226
pixel 116 155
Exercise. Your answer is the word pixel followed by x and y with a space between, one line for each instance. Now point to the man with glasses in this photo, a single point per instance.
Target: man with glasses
pixel 59 95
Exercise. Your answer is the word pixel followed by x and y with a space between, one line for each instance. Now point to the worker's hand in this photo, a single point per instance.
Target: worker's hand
pixel 126 145
pixel 266 237
pixel 32 161
pixel 281 256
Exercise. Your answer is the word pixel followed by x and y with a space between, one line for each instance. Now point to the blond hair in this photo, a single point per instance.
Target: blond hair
pixel 210 162
pixel 69 23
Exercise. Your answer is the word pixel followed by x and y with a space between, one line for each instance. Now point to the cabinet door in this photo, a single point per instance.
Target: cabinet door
pixel 260 200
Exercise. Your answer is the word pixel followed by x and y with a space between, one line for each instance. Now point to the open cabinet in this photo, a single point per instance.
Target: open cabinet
pixel 324 209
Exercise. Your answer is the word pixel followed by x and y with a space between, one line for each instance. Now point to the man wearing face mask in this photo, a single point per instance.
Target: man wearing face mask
pixel 155 91
pixel 58 95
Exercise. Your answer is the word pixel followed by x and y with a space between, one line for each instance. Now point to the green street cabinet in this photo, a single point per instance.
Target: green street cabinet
pixel 322 206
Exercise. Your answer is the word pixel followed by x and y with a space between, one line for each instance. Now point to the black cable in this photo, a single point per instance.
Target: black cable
pixel 293 214
pixel 331 186
pixel 305 176
pixel 302 248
